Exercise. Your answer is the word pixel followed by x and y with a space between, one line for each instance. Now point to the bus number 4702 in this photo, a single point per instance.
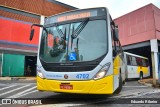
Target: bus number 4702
pixel 82 76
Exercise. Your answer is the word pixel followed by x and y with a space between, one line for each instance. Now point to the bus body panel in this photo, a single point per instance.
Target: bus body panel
pixel 119 67
pixel 142 69
pixel 116 69
pixel 101 86
pixel 116 65
pixel 133 71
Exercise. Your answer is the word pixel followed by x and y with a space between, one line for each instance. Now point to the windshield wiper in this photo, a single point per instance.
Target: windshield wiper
pixel 78 30
pixel 62 35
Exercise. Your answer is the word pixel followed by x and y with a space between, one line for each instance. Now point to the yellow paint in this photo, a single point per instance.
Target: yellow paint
pixel 143 69
pixel 116 64
pixel 101 86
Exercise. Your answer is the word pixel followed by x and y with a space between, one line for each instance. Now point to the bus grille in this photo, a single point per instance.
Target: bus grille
pixel 68 68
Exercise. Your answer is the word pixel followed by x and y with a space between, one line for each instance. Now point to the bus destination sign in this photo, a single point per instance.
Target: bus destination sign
pixel 74 16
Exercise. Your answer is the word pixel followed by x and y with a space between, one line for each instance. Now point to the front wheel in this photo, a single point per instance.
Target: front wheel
pixel 118 90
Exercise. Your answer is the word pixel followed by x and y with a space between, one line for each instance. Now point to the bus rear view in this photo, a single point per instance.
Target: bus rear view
pixel 75 53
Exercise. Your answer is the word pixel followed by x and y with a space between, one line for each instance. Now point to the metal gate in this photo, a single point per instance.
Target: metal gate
pixel 13 65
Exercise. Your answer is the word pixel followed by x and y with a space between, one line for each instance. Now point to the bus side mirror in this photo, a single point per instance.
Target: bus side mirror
pixel 31 34
pixel 115 34
pixel 32 30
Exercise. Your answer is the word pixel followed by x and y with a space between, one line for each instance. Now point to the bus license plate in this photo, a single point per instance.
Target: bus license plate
pixel 66 86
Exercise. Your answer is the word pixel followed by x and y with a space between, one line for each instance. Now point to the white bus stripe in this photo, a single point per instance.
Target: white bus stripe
pixel 14 90
pixel 7 87
pixel 26 93
pixel 14 96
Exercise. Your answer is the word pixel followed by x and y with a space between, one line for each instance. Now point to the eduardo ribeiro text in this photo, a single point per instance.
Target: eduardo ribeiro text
pixel 145 101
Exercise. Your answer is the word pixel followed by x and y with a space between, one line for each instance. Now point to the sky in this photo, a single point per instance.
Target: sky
pixel 116 8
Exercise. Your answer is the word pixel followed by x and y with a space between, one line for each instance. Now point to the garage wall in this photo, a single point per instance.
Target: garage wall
pixel 13 65
pixel 0 64
pixel 138 26
pixel 157 21
pixel 17 32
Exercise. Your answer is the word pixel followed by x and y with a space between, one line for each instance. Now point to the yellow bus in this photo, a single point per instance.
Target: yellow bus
pixel 137 66
pixel 79 52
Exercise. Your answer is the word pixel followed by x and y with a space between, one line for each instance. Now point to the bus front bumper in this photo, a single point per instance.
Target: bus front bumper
pixel 101 86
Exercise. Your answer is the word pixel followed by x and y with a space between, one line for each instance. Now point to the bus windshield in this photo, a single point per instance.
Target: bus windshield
pixel 85 40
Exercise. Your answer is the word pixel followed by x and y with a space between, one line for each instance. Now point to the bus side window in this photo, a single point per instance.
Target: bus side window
pixel 144 63
pixel 134 62
pixel 139 61
pixel 128 60
pixel 147 63
pixel 116 48
pixel 113 45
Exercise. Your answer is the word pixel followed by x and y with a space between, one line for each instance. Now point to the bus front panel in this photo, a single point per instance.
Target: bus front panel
pixel 101 86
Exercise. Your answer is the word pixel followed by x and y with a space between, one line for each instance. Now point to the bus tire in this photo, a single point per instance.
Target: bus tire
pixel 118 90
pixel 141 75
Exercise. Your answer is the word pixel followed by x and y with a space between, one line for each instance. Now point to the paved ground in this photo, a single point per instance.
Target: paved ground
pixel 27 89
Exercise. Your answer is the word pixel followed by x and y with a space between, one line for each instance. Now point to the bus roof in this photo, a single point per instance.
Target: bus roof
pixel 131 54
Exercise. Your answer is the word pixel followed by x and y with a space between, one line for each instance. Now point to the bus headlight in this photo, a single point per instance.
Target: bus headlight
pixel 102 72
pixel 40 74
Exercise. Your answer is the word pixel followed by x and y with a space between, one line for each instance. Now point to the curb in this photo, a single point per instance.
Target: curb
pixel 17 78
pixel 5 78
pixel 144 83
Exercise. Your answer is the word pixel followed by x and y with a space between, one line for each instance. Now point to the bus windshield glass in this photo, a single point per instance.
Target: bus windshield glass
pixel 85 40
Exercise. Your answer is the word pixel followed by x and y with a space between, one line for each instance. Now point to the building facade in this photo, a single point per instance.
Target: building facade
pixel 17 52
pixel 139 33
